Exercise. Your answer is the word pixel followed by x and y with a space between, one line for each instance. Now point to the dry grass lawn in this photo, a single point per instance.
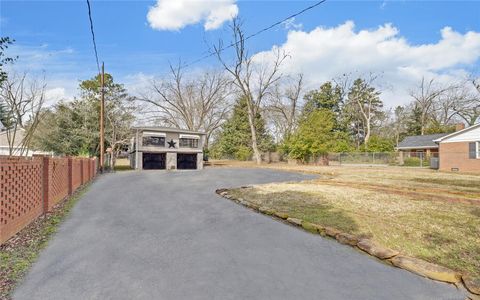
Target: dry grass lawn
pixel 422 213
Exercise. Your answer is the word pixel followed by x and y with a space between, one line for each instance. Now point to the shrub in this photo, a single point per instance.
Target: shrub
pixel 414 162
pixel 243 153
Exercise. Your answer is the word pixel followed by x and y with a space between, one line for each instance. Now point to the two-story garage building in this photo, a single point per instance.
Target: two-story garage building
pixel 166 148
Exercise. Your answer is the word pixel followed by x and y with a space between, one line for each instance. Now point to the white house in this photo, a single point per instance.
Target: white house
pixel 166 148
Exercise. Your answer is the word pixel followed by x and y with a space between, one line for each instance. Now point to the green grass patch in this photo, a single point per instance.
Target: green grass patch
pixel 122 168
pixel 21 251
pixel 445 233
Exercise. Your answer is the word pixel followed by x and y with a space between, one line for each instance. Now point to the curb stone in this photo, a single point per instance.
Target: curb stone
pixel 346 239
pixel 414 265
pixel 331 232
pixel 472 285
pixel 376 250
pixel 281 215
pixel 266 210
pixel 295 221
pixel 309 227
pixel 426 269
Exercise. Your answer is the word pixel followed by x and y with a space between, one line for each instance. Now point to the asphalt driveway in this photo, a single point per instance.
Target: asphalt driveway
pixel 167 235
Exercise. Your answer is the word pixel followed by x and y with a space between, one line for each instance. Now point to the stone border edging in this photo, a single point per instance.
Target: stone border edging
pixel 390 256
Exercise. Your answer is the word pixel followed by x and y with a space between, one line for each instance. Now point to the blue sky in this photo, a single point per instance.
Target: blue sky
pixel 54 36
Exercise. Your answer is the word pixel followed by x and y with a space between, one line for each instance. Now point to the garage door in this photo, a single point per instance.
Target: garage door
pixel 154 161
pixel 186 161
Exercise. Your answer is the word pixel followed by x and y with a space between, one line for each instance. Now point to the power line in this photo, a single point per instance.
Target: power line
pixel 256 33
pixel 93 35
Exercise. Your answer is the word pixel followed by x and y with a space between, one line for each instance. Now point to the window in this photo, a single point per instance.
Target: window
pixel 474 150
pixel 188 143
pixel 151 140
pixel 478 150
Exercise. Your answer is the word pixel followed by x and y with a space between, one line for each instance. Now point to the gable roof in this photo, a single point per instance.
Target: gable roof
pixel 420 141
pixel 19 135
pixel 457 133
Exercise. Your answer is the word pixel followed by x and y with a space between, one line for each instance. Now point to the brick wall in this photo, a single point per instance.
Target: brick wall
pixel 455 156
pixel 30 187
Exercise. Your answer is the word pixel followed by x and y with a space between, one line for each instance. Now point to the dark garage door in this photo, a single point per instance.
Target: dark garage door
pixel 154 161
pixel 186 161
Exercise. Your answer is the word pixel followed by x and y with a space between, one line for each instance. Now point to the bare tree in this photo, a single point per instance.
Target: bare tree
pixel 196 104
pixel 253 81
pixel 468 104
pixel 23 101
pixel 445 107
pixel 283 106
pixel 399 122
pixel 425 96
pixel 120 116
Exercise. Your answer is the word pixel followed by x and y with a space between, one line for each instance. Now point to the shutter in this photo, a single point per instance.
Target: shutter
pixel 472 150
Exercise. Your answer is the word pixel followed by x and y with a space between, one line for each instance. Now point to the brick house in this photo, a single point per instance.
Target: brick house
pixel 421 146
pixel 157 148
pixel 460 151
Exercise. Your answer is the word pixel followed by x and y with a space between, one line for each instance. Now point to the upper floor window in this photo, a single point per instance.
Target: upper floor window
pixel 188 143
pixel 151 140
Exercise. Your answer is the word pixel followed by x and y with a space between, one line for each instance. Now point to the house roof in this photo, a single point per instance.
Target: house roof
pixel 168 129
pixel 420 141
pixel 19 135
pixel 457 133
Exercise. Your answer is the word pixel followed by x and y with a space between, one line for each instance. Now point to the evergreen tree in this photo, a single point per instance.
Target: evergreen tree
pixel 328 97
pixel 5 42
pixel 414 124
pixel 72 128
pixel 315 137
pixel 234 139
pixel 366 106
pixel 5 117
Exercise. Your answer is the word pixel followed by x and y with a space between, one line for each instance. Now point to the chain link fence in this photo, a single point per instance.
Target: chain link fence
pixel 402 158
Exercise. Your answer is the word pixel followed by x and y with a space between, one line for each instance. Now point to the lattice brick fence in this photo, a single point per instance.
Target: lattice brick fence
pixel 85 171
pixel 76 173
pixel 21 198
pixel 56 181
pixel 30 187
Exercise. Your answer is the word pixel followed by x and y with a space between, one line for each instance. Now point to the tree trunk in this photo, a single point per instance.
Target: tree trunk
pixel 112 160
pixel 253 130
pixel 367 135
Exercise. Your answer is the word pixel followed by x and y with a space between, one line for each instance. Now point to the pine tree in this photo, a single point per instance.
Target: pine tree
pixel 234 140
pixel 328 97
pixel 414 124
pixel 5 119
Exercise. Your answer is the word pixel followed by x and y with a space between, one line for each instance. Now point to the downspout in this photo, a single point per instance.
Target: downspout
pixel 136 150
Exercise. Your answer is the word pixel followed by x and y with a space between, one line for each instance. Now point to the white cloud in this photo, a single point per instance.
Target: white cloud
pixel 325 53
pixel 55 93
pixel 290 24
pixel 175 15
pixel 61 68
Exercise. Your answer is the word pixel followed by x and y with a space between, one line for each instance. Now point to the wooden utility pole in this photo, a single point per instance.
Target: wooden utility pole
pixel 102 112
